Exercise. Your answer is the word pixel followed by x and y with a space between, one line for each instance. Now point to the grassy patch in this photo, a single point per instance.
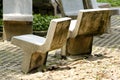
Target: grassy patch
pixel 41 22
pixel 114 3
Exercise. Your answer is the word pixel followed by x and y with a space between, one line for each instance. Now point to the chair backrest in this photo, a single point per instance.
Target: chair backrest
pixel 92 22
pixel 17 7
pixel 17 10
pixel 57 33
pixel 71 7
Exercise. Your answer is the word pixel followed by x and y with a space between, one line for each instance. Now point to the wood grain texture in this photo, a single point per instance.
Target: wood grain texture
pixel 94 23
pixel 38 59
pixel 60 35
pixel 79 45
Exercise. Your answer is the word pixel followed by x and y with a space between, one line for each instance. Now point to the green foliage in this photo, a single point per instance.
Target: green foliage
pixel 1 22
pixel 41 22
pixel 112 2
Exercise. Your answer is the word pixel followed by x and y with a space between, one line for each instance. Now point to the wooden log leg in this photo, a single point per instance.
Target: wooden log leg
pixel 33 61
pixel 79 45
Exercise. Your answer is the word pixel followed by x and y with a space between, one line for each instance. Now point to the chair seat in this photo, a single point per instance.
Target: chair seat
pixel 115 11
pixel 72 25
pixel 17 17
pixel 30 38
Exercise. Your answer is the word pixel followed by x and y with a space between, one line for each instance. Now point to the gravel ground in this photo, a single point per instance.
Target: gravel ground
pixel 103 64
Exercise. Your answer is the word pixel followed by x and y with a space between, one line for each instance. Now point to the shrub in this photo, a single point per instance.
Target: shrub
pixel 41 22
pixel 112 2
pixel 1 22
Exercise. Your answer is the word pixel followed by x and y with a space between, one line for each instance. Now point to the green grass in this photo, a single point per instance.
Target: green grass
pixel 114 3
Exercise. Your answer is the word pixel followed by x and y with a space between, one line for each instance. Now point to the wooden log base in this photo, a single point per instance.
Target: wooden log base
pixel 79 45
pixel 15 28
pixel 38 60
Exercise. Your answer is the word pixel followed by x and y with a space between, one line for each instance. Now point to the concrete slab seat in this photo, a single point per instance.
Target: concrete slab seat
pixel 94 4
pixel 36 48
pixel 89 23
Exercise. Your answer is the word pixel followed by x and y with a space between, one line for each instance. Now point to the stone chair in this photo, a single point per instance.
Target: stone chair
pixel 36 48
pixel 71 8
pixel 89 23
pixel 92 4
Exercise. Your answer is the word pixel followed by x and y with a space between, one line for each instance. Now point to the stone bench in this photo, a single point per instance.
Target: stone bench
pixel 36 48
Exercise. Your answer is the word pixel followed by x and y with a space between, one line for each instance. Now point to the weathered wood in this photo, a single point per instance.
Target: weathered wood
pixel 36 47
pixel 94 22
pixel 79 45
pixel 13 28
pixel 37 60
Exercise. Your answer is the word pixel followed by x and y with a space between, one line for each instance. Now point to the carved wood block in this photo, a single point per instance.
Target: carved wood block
pixel 79 45
pixel 38 59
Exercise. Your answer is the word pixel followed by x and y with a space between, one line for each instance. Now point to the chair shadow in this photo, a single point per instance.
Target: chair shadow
pixel 69 60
